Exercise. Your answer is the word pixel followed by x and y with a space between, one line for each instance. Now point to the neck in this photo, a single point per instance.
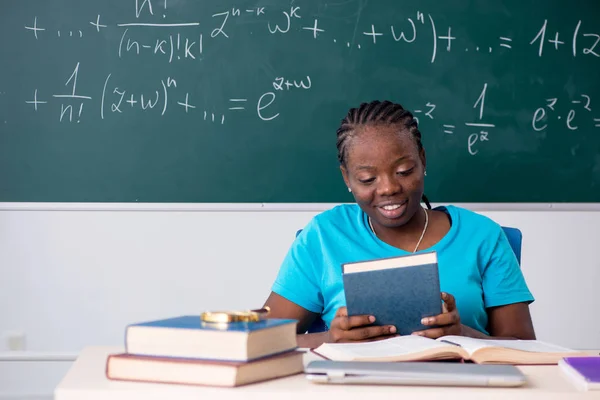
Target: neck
pixel 403 236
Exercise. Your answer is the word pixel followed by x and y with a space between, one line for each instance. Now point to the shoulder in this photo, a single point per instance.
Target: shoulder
pixel 334 225
pixel 341 216
pixel 475 233
pixel 469 220
pixel 470 229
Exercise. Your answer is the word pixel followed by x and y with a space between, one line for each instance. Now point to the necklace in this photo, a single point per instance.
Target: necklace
pixel 422 233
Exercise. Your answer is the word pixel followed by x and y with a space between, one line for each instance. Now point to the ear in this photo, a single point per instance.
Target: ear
pixel 423 159
pixel 345 175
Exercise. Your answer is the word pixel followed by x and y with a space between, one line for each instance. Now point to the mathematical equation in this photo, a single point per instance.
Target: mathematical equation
pixel 187 42
pixel 117 99
pixel 580 112
pixel 172 47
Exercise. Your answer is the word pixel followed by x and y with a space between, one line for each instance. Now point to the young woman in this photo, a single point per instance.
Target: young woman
pixel 383 164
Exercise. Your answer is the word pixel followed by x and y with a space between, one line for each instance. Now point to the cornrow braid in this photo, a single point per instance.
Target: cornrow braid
pixel 376 112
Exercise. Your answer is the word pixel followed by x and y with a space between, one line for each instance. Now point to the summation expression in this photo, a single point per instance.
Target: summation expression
pixel 116 99
pixel 186 42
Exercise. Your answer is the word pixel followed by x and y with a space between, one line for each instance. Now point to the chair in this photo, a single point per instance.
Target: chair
pixel 515 239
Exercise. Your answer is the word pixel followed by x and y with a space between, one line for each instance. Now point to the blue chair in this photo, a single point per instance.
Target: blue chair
pixel 515 239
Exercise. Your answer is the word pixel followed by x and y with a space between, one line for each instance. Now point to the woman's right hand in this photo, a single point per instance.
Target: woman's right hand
pixel 357 328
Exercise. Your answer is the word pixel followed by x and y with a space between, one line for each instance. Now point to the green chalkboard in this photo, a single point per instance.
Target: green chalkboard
pixel 238 101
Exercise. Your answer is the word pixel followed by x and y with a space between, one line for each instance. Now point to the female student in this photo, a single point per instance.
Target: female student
pixel 383 165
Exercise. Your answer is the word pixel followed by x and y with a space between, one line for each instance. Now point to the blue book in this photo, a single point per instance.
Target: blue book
pixel 190 337
pixel 398 291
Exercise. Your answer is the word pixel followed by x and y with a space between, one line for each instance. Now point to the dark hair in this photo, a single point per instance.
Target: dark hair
pixel 373 113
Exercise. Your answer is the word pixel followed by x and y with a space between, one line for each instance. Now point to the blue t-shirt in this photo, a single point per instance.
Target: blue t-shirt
pixel 475 261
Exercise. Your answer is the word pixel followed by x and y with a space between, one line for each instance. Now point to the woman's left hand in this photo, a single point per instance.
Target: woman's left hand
pixel 448 322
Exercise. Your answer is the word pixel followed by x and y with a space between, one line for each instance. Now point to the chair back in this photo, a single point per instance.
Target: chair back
pixel 515 239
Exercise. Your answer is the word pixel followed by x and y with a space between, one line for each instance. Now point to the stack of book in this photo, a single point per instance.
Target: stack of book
pixel 186 350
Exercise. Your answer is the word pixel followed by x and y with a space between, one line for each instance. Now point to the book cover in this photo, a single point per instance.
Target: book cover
pixel 135 368
pixel 194 322
pixel 398 291
pixel 584 372
pixel 189 337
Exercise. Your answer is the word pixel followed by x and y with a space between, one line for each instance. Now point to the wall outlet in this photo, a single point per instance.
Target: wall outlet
pixel 15 341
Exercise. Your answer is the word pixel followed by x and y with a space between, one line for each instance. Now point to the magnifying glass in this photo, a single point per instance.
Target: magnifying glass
pixel 224 317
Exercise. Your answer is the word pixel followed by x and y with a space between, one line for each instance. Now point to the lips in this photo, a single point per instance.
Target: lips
pixel 392 210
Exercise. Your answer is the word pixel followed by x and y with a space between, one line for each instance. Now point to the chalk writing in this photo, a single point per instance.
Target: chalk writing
pixel 578 111
pixel 190 39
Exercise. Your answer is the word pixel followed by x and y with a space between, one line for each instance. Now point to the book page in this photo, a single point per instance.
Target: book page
pixel 472 345
pixel 388 348
pixel 411 260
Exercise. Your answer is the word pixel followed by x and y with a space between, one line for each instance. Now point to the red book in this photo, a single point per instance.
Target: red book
pixel 128 367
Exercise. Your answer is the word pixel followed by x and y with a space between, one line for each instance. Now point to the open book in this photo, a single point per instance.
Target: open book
pixel 418 348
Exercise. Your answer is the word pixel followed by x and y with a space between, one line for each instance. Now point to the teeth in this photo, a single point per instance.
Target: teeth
pixel 391 207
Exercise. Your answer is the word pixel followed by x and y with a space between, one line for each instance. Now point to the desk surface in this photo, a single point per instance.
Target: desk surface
pixel 86 381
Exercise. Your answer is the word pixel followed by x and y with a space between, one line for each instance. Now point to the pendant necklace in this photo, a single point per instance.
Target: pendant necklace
pixel 422 233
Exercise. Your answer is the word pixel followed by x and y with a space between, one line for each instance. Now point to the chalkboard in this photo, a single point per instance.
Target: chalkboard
pixel 239 101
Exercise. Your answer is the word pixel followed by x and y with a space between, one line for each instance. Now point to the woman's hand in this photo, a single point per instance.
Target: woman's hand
pixel 448 321
pixel 356 328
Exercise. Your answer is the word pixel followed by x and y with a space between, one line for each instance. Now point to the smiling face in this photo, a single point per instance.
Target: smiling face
pixel 384 168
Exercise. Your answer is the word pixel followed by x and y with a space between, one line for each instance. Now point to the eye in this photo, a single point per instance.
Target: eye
pixel 367 180
pixel 406 172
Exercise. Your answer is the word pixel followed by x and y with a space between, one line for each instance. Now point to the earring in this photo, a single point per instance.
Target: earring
pixel 350 190
pixel 425 173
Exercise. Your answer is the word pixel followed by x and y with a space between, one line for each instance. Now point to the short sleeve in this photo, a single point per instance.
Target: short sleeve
pixel 503 281
pixel 298 279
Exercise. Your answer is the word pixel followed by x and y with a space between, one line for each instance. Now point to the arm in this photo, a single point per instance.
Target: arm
pixel 343 327
pixel 283 308
pixel 506 299
pixel 511 321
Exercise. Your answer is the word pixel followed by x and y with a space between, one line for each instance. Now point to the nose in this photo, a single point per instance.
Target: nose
pixel 389 185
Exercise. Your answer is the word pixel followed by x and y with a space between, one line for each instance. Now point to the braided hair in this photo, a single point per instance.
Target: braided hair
pixel 376 112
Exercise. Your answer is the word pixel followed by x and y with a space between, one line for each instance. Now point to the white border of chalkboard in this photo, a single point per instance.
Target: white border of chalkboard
pixel 280 207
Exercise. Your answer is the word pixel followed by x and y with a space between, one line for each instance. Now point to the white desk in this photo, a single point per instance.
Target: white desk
pixel 86 381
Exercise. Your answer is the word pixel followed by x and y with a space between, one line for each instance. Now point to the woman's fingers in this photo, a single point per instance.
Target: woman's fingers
pixel 346 323
pixel 449 318
pixel 370 332
pixel 357 327
pixel 449 301
pixel 431 333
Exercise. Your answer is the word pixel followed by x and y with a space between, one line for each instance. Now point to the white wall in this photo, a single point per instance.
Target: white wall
pixel 75 278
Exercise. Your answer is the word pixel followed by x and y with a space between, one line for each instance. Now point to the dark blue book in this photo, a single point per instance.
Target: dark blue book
pixel 398 291
pixel 190 337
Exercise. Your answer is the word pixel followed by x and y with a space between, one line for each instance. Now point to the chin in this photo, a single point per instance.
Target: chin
pixel 397 221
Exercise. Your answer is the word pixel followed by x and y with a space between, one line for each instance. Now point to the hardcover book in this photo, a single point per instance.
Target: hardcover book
pixel 418 348
pixel 398 291
pixel 584 372
pixel 190 337
pixel 168 370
